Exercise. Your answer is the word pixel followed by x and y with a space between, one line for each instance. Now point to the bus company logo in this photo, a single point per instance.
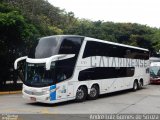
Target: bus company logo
pixel 55 89
pixel 63 90
pixel 102 61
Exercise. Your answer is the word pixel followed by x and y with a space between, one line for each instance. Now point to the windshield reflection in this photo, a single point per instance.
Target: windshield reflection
pixel 37 75
pixel 155 71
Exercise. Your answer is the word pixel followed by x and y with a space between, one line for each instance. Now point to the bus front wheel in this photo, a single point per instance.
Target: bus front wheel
pixel 81 94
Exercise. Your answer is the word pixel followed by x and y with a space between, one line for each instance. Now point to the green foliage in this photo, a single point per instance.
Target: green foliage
pixel 156 39
pixel 23 21
pixel 15 37
pixel 125 33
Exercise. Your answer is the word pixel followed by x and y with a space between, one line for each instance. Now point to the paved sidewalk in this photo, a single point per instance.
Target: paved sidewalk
pixel 11 92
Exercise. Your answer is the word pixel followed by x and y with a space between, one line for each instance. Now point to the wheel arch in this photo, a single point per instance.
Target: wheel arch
pixel 96 85
pixel 80 85
pixel 135 80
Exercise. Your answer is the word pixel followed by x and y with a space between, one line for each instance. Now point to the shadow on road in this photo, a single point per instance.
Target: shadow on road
pixel 10 87
pixel 52 105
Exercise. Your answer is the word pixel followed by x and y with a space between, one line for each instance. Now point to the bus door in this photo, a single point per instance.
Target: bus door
pixel 70 89
pixel 114 84
pixel 65 90
pixel 113 79
pixel 118 84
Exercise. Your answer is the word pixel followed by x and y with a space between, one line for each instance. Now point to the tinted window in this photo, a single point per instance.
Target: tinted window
pixel 105 73
pixel 53 45
pixel 103 49
pixel 65 68
pixel 71 45
pixel 38 76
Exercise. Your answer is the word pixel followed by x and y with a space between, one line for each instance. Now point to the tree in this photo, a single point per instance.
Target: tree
pixel 15 35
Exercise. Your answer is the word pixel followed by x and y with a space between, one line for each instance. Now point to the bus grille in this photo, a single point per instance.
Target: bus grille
pixel 33 93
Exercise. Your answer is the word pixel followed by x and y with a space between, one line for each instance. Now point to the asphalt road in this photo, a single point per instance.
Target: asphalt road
pixel 142 101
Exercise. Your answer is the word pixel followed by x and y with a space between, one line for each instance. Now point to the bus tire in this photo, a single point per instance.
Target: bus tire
pixel 140 84
pixel 81 94
pixel 135 85
pixel 94 93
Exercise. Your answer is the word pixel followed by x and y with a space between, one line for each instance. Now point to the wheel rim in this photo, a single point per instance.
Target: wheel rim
pixel 93 92
pixel 80 94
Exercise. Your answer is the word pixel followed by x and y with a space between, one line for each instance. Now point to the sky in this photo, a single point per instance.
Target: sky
pixel 146 12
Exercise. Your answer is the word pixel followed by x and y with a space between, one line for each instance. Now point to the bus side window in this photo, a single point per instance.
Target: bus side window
pixel 105 73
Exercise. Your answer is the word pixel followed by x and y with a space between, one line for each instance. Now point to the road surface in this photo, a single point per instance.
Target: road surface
pixel 142 101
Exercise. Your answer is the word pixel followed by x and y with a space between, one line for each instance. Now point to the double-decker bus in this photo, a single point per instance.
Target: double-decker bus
pixel 66 67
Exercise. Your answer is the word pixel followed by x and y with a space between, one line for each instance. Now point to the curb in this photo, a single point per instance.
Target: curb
pixel 10 92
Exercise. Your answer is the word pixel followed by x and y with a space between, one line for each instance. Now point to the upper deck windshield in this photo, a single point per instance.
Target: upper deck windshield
pixel 45 48
pixel 155 71
pixel 53 45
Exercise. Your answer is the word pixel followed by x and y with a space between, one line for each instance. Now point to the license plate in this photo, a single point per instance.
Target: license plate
pixel 33 98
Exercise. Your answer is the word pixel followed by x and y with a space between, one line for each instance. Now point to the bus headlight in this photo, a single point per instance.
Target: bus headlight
pixel 45 91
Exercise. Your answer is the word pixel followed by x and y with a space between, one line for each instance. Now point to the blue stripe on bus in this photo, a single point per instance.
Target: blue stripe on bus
pixel 53 94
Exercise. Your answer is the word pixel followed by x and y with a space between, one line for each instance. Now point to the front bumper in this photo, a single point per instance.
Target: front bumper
pixel 42 98
pixel 157 81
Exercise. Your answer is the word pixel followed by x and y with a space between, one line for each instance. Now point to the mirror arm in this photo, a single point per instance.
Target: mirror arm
pixel 17 60
pixel 57 57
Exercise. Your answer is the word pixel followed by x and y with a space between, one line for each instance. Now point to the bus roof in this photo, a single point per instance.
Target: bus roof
pixel 62 36
pixel 155 64
pixel 103 41
pixel 113 43
pixel 154 59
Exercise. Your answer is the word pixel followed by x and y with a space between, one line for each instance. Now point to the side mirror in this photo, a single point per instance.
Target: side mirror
pixel 20 72
pixel 57 57
pixel 17 60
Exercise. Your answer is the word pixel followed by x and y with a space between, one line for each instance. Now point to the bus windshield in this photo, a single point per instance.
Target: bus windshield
pixel 155 71
pixel 37 75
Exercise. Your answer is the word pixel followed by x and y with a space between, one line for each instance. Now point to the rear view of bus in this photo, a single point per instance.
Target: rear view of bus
pixel 48 68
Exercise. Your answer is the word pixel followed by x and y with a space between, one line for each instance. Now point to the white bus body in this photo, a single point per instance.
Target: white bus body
pixel 98 67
